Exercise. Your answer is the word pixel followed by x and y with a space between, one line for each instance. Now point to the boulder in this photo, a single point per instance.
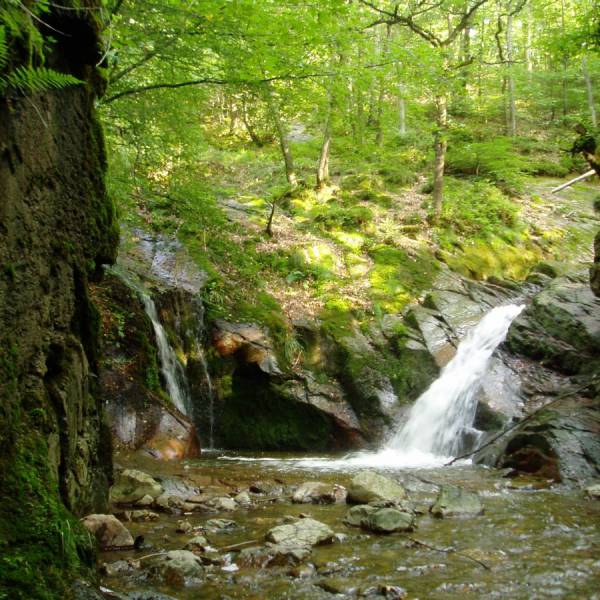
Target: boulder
pixel 455 501
pixel 369 486
pixel 222 503
pixel 132 485
pixel 176 567
pixel 304 532
pixel 247 341
pixel 389 520
pixel 593 491
pixel 108 530
pixel 197 544
pixel 316 492
pixel 358 515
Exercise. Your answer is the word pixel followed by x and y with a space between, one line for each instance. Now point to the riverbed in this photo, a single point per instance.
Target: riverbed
pixel 534 540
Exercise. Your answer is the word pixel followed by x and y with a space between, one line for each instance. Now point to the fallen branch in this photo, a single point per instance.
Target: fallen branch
pixel 236 546
pixel 450 551
pixel 518 424
pixel 572 181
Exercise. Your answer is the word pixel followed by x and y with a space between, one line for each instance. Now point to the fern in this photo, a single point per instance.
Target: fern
pixel 36 79
pixel 3 48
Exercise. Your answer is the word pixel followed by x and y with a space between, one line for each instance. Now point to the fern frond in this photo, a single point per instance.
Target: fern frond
pixel 37 79
pixel 3 48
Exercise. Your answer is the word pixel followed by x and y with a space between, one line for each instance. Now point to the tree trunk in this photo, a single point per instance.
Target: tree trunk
pixel 529 41
pixel 286 151
pixel 511 110
pixel 323 165
pixel 590 92
pixel 440 145
pixel 401 111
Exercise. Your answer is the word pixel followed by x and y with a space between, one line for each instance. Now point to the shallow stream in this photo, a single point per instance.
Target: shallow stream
pixel 534 542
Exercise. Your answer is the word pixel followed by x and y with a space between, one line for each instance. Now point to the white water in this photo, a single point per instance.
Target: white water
pixel 170 366
pixel 444 414
pixel 440 417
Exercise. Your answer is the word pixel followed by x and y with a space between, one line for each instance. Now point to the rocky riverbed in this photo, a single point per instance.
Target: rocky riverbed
pixel 294 527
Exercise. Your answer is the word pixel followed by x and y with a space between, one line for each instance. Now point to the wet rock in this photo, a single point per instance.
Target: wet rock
pixel 316 492
pixel 147 500
pixel 561 327
pixel 220 524
pixel 593 491
pixel 266 487
pixel 285 554
pixel 132 485
pixel 184 526
pixel 369 486
pixel 197 544
pixel 243 499
pixel 338 586
pixel 255 557
pixel 222 503
pixel 177 567
pixel 392 592
pixel 305 532
pixel 170 504
pixel 302 571
pixel 108 530
pixel 138 516
pixel 247 341
pixel 358 515
pixel 119 568
pixel 330 400
pixel 389 520
pixel 455 501
pixel 151 595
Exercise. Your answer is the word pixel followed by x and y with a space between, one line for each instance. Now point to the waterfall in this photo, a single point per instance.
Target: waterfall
pixel 171 368
pixel 443 415
pixel 211 396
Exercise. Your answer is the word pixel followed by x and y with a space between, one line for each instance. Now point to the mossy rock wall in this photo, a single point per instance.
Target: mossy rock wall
pixel 56 227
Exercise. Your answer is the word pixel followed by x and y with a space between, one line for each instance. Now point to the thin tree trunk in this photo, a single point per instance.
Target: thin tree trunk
pixel 511 113
pixel 323 165
pixel 401 111
pixel 384 42
pixel 286 151
pixel 440 145
pixel 565 64
pixel 529 41
pixel 590 92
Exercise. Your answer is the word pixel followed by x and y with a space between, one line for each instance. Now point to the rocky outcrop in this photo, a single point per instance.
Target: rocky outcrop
pixel 140 415
pixel 557 341
pixel 57 227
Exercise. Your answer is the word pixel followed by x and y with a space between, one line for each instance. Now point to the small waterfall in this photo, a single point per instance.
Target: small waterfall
pixel 210 393
pixel 171 368
pixel 443 415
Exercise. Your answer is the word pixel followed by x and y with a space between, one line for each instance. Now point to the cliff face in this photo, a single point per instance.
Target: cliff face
pixel 57 227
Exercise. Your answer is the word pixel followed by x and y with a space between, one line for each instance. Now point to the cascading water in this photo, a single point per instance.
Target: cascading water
pixel 171 368
pixel 443 414
pixel 210 393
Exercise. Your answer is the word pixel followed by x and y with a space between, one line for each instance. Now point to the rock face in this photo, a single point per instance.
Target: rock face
pixel 369 486
pixel 560 330
pixel 139 416
pixel 57 227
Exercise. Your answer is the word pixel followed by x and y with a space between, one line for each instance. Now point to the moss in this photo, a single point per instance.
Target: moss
pixel 42 547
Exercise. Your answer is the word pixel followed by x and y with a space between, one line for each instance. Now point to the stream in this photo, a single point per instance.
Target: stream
pixel 533 540
pixel 536 543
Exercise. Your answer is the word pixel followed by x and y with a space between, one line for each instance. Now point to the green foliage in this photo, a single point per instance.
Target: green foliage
pixel 494 160
pixel 477 210
pixel 330 216
pixel 36 79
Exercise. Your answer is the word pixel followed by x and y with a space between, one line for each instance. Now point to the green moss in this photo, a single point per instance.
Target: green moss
pixel 397 278
pixel 42 547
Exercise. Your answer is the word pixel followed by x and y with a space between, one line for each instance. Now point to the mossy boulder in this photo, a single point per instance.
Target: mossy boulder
pixel 453 501
pixel 369 486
